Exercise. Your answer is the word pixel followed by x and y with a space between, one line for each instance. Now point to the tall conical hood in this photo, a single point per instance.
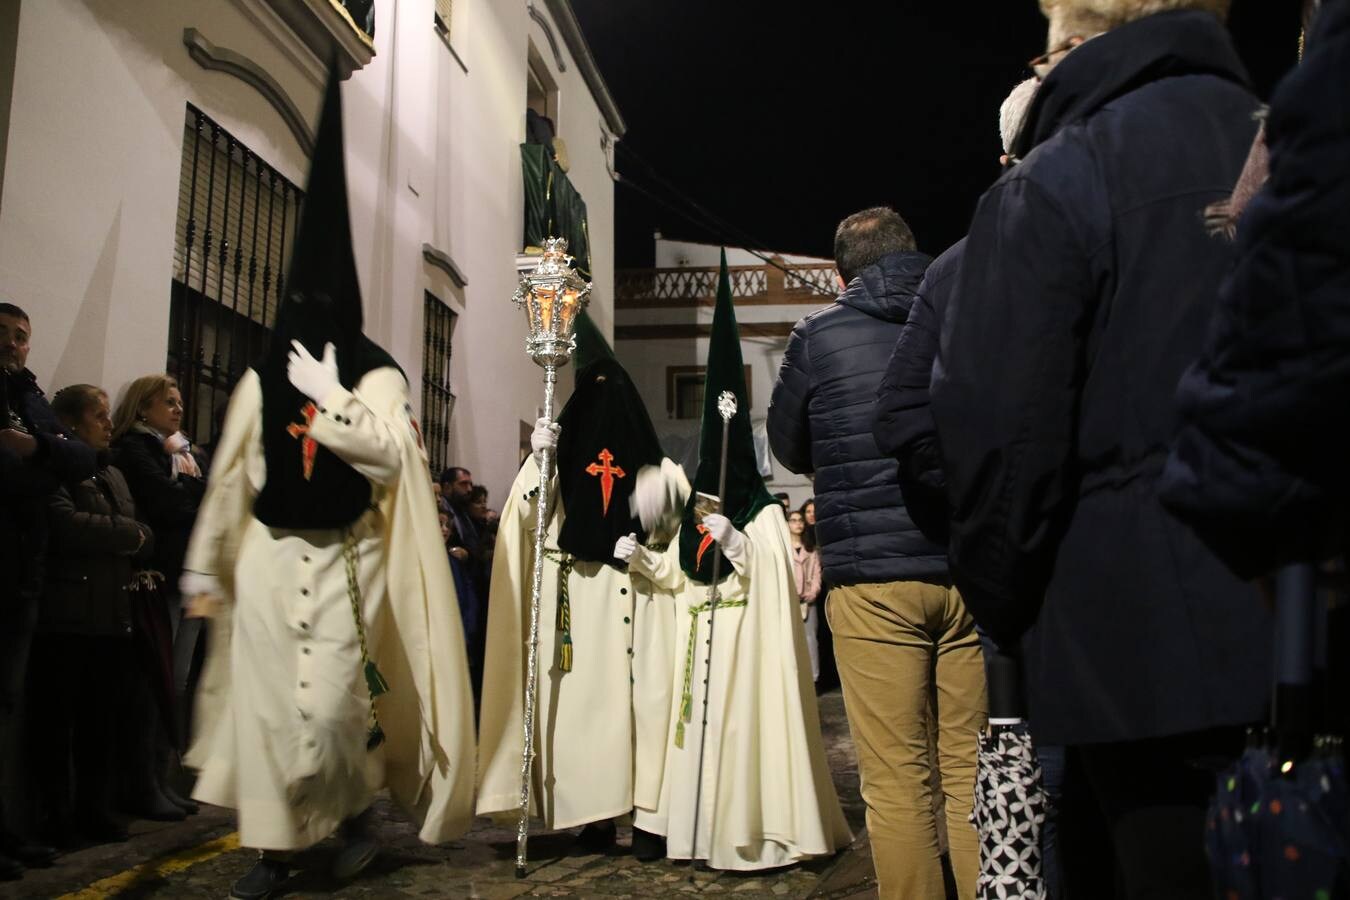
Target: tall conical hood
pixel 308 486
pixel 591 344
pixel 607 436
pixel 746 494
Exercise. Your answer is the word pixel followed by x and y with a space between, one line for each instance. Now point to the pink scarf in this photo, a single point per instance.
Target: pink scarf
pixel 179 448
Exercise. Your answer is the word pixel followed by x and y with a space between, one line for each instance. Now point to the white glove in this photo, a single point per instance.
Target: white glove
pixel 731 541
pixel 314 378
pixel 625 547
pixel 545 436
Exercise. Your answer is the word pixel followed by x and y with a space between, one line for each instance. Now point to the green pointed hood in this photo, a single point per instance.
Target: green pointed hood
pixel 591 345
pixel 746 494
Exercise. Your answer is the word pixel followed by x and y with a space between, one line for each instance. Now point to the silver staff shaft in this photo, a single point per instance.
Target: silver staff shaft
pixel 532 665
pixel 726 406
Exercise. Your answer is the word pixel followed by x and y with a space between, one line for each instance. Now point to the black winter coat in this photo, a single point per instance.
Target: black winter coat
pixel 1087 281
pixel 820 420
pixel 26 483
pixel 903 424
pixel 1260 466
pixel 95 540
pixel 167 504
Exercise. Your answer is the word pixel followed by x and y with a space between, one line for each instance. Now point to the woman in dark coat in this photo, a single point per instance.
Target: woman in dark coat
pixel 82 657
pixel 1259 467
pixel 167 478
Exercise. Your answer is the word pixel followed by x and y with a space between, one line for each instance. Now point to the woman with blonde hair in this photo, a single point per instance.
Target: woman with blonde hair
pixel 167 480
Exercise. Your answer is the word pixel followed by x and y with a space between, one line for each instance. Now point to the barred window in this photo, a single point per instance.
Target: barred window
pixel 236 223
pixel 438 401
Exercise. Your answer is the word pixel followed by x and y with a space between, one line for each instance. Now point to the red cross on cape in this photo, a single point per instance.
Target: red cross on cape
pixel 607 472
pixel 308 446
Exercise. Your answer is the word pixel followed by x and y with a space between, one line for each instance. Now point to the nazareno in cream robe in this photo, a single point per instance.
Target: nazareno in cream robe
pixel 601 727
pixel 768 799
pixel 282 709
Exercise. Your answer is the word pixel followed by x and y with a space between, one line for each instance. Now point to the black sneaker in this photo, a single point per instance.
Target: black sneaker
pixel 260 882
pixel 598 837
pixel 648 847
pixel 10 869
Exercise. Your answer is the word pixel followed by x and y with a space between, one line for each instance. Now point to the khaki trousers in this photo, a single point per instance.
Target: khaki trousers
pixel 910 663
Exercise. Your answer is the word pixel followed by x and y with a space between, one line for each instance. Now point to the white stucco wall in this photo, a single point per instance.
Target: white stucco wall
pixel 92 162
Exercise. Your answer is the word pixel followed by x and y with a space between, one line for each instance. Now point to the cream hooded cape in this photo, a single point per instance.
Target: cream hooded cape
pixel 768 799
pixel 412 620
pixel 601 727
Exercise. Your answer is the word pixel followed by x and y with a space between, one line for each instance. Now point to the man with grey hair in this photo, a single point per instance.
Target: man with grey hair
pixel 1087 284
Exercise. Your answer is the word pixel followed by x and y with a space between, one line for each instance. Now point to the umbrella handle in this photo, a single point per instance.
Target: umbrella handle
pixel 1295 648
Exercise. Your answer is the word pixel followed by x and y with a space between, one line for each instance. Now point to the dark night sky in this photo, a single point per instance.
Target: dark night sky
pixel 779 124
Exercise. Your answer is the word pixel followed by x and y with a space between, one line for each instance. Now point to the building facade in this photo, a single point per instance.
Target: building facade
pixel 153 158
pixel 662 320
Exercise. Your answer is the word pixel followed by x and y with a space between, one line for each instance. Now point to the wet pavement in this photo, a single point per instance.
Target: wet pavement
pixel 201 858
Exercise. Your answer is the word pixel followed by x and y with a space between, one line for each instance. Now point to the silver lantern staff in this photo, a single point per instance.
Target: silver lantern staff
pixel 552 295
pixel 726 408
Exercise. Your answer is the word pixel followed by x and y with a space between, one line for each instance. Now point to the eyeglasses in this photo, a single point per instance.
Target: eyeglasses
pixel 1041 64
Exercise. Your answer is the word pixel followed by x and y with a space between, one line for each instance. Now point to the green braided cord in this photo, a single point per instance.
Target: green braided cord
pixel 687 693
pixel 565 563
pixel 375 683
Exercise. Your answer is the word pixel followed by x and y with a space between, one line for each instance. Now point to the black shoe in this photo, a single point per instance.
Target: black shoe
pixel 158 808
pixel 598 837
pixel 648 847
pixel 359 847
pixel 189 807
pixel 10 869
pixel 260 882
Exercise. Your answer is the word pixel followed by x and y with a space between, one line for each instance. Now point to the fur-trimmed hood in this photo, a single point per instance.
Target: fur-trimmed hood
pixel 1086 18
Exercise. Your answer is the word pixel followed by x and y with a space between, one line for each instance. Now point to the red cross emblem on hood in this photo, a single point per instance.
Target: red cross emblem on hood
pixel 703 545
pixel 607 473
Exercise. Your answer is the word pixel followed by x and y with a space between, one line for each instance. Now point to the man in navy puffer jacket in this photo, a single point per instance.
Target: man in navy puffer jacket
pixel 891 606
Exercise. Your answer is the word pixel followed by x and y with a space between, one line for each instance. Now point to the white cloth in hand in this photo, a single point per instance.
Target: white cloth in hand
pixel 728 538
pixel 315 378
pixel 545 435
pixel 203 597
pixel 625 547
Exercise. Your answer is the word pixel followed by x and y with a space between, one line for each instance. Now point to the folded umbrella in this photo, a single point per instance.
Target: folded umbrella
pixel 1010 801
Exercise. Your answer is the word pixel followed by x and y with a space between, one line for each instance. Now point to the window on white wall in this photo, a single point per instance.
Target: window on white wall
pixel 443 8
pixel 236 223
pixel 541 93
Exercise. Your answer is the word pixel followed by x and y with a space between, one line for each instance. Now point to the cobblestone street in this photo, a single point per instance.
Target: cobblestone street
pixel 201 857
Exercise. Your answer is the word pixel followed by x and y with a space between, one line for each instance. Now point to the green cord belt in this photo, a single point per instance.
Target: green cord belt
pixel 375 683
pixel 687 694
pixel 566 563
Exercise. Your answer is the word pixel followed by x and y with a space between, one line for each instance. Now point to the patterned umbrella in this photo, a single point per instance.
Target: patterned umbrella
pixel 1008 813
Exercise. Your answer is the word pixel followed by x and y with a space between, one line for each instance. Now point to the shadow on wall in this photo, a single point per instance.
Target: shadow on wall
pixel 86 348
